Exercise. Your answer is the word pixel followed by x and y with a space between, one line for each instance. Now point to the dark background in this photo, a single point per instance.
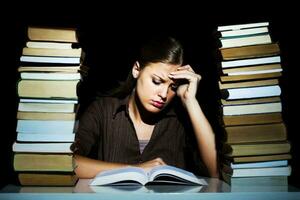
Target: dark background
pixel 110 34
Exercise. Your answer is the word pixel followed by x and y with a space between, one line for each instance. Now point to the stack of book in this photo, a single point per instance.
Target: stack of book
pixel 255 145
pixel 46 119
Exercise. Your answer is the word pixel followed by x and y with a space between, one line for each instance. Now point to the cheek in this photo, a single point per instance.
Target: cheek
pixel 144 88
pixel 145 81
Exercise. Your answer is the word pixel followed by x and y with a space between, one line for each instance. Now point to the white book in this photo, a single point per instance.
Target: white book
pixel 47 107
pixel 252 61
pixel 55 101
pixel 245 41
pixel 245 32
pixel 251 92
pixel 63 69
pixel 45 59
pixel 82 186
pixel 254 72
pixel 264 171
pixel 135 175
pixel 252 108
pixel 248 84
pixel 41 137
pixel 275 163
pixel 46 127
pixel 76 52
pixel 257 69
pixel 50 76
pixel 49 45
pixel 242 26
pixel 42 147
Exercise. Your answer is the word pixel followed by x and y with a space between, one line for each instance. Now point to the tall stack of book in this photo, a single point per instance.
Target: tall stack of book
pixel 46 119
pixel 255 146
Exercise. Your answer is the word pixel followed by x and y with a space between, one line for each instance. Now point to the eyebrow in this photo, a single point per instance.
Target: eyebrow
pixel 162 79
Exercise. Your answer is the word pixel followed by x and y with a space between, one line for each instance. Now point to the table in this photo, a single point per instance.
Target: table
pixel 216 189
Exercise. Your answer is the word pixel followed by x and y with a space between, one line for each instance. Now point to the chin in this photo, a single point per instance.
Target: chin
pixel 154 109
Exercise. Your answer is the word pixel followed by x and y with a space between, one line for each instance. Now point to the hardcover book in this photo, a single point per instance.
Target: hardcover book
pixel 242 26
pixel 47 179
pixel 255 133
pixel 52 34
pixel 256 149
pixel 250 61
pixel 264 118
pixel 250 51
pixel 43 162
pixel 250 92
pixel 263 171
pixel 254 69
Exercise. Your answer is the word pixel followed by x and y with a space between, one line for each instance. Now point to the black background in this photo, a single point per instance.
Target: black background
pixel 110 34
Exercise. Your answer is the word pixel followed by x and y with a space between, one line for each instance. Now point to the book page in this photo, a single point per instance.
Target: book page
pixel 170 174
pixel 122 176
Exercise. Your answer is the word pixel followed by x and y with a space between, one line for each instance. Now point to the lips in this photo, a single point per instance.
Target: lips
pixel 158 104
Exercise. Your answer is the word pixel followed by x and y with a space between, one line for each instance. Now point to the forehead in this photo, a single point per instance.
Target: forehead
pixel 161 68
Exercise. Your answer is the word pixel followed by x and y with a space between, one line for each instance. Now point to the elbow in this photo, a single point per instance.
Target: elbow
pixel 81 167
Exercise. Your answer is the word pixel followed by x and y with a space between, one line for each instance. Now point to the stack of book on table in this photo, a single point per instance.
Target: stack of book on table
pixel 255 146
pixel 51 69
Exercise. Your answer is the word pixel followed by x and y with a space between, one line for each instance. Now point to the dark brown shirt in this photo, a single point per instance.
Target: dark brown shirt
pixel 106 132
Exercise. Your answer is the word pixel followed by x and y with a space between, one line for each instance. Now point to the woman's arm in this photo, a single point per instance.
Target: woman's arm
pixel 202 128
pixel 88 168
pixel 204 135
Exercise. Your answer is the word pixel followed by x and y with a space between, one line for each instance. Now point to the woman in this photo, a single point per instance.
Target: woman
pixel 138 126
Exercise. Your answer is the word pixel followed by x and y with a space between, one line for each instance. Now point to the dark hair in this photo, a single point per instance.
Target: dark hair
pixel 159 49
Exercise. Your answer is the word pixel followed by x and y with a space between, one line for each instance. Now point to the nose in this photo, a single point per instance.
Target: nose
pixel 163 93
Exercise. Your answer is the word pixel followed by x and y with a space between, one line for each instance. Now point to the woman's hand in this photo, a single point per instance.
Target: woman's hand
pixel 189 83
pixel 150 164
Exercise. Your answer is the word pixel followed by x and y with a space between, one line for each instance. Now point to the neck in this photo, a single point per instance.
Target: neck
pixel 138 113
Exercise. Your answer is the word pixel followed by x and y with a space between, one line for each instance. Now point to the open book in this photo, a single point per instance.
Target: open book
pixel 135 175
pixel 82 186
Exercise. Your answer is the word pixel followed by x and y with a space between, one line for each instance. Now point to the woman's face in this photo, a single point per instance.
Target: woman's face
pixel 154 87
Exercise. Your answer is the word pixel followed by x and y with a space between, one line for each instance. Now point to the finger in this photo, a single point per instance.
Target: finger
pixel 185 75
pixel 160 161
pixel 183 71
pixel 185 67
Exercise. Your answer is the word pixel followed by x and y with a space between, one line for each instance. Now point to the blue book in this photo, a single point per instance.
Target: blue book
pixel 46 126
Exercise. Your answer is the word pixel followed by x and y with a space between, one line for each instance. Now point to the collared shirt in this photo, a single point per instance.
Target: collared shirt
pixel 107 133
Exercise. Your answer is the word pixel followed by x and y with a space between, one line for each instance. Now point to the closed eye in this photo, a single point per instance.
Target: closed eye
pixel 156 82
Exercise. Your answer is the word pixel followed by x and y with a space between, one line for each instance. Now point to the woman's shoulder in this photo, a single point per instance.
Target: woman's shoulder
pixel 107 102
pixel 107 99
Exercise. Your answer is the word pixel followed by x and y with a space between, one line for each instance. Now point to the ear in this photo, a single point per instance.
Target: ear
pixel 136 69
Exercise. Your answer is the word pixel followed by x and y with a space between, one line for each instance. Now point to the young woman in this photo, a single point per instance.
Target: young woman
pixel 137 126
